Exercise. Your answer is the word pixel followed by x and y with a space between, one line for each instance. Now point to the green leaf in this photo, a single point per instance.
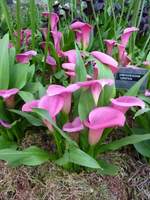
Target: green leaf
pixel 30 118
pixel 31 156
pixel 3 112
pixel 141 112
pixel 77 156
pixel 108 169
pixel 26 96
pixel 86 104
pixel 133 139
pixel 133 91
pixel 18 75
pixel 109 91
pixel 4 62
pixel 12 56
pixel 142 147
pixel 31 72
pixel 5 143
pixel 148 57
pixel 45 115
pixel 80 67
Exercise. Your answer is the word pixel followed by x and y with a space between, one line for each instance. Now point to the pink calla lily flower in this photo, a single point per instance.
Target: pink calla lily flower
pixel 52 104
pixel 96 86
pixel 54 18
pixel 9 96
pixel 28 34
pixel 57 36
pixel 74 126
pixel 51 61
pixel 147 93
pixel 126 35
pixel 107 60
pixel 54 21
pixel 28 106
pixel 58 90
pixel 125 102
pixel 146 63
pixel 69 66
pixel 44 32
pixel 83 32
pixel 109 45
pixel 101 118
pixel 71 55
pixel 25 57
pixel 123 56
pixel 6 94
pixel 4 124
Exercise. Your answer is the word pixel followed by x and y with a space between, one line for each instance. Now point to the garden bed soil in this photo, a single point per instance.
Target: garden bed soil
pixel 50 182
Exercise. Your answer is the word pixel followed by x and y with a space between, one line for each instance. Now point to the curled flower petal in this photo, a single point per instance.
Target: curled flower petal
pixel 69 66
pixel 125 102
pixel 57 36
pixel 101 118
pixel 96 86
pixel 83 32
pixel 74 126
pixel 50 61
pixel 4 124
pixel 106 59
pixel 8 93
pixel 27 107
pixel 52 104
pixel 147 93
pixel 105 117
pixel 126 35
pixel 71 55
pixel 109 45
pixel 54 21
pixel 25 57
pixel 44 32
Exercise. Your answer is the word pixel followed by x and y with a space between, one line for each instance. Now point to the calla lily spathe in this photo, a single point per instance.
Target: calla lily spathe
pixel 125 102
pixel 83 32
pixel 101 118
pixel 126 35
pixel 106 59
pixel 109 45
pixel 25 57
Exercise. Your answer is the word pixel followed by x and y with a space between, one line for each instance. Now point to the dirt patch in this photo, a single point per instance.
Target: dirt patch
pixel 49 182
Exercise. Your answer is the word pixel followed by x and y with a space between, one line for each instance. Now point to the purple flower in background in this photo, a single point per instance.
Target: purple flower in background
pixel 9 96
pixel 4 124
pixel 109 45
pixel 25 57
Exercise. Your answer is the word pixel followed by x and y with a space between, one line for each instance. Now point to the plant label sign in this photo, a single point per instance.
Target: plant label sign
pixel 126 77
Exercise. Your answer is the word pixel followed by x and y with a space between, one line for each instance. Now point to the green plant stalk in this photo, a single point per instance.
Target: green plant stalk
pixel 8 18
pixel 57 142
pixel 134 23
pixel 97 26
pixel 114 18
pixel 121 16
pixel 147 43
pixel 50 2
pixel 91 151
pixel 33 21
pixel 18 21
